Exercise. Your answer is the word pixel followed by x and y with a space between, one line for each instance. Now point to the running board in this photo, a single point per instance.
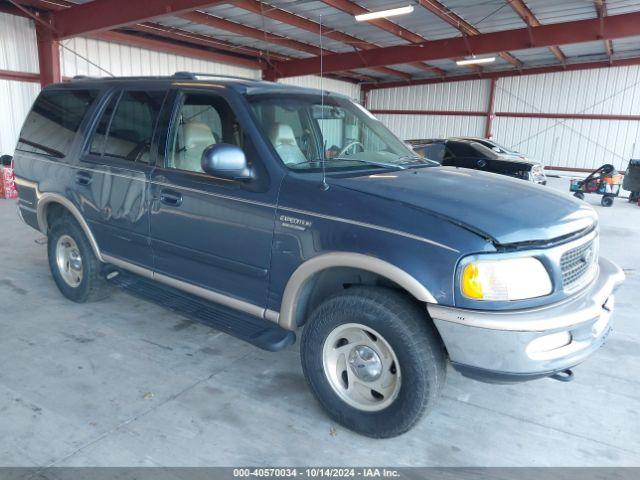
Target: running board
pixel 259 332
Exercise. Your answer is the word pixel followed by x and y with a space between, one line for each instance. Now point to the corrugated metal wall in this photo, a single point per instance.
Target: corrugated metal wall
pixel 470 95
pixel 82 56
pixel 571 143
pixel 18 52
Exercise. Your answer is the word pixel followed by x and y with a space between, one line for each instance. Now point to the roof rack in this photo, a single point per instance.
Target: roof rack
pixel 194 76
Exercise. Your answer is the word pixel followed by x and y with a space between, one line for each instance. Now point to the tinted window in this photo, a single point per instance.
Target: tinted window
pixel 461 149
pixel 54 120
pixel 131 128
pixel 100 134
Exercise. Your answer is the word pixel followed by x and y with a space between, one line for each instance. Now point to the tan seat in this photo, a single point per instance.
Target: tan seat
pixel 196 137
pixel 284 141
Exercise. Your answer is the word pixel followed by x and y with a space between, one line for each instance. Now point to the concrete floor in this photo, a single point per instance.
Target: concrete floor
pixel 123 382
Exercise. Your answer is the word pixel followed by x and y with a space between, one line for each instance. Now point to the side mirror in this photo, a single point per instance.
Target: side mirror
pixel 224 160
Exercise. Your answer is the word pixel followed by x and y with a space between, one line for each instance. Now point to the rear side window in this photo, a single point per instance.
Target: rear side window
pixel 54 120
pixel 130 130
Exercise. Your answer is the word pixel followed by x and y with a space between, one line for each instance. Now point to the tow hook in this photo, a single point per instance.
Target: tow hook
pixel 563 375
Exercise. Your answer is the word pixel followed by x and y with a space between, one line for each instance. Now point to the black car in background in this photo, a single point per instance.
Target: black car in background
pixel 468 153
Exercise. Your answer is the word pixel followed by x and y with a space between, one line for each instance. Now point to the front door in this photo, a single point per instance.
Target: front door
pixel 210 233
pixel 113 174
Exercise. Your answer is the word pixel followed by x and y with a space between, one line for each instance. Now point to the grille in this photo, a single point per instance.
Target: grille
pixel 576 264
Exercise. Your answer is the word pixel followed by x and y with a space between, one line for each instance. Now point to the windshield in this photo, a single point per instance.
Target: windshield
pixel 306 130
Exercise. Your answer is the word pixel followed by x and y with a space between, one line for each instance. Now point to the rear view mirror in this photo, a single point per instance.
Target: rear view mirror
pixel 224 160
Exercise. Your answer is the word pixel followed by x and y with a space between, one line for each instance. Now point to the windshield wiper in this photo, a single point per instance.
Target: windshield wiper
pixel 368 162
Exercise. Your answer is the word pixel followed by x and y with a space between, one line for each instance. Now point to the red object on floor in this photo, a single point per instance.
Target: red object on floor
pixel 7 183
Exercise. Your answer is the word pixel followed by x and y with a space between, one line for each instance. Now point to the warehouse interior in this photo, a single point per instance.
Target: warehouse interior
pixel 126 382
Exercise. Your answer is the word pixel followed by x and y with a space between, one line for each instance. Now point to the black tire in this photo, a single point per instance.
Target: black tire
pixel 92 287
pixel 405 326
pixel 606 201
pixel 579 195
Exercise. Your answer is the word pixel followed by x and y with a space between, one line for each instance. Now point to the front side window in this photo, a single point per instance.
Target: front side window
pixel 54 120
pixel 131 127
pixel 203 120
pixel 307 130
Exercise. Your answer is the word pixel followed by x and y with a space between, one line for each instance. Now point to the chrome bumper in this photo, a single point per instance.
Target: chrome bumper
pixel 497 345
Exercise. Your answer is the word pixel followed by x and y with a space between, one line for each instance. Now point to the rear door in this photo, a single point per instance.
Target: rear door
pixel 113 175
pixel 208 232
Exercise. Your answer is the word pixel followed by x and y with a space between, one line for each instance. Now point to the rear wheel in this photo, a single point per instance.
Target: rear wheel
pixel 373 360
pixel 74 266
pixel 606 201
pixel 579 195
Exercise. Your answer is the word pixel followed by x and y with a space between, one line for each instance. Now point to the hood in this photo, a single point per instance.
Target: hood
pixel 505 209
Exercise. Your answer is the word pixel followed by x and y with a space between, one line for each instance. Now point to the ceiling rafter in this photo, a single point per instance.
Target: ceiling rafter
pixel 204 40
pixel 288 18
pixel 351 8
pixel 100 15
pixel 563 33
pixel 459 23
pixel 237 28
pixel 601 12
pixel 531 20
pixel 184 36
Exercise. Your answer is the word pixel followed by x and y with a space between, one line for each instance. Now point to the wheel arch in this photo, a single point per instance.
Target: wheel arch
pixel 49 200
pixel 298 291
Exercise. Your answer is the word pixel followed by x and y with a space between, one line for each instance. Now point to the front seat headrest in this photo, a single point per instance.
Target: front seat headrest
pixel 196 137
pixel 282 134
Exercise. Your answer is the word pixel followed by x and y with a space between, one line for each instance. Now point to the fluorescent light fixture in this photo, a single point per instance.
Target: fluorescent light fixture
pixel 384 13
pixel 475 61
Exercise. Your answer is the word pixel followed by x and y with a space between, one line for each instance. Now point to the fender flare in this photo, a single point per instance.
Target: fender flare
pixel 306 271
pixel 41 212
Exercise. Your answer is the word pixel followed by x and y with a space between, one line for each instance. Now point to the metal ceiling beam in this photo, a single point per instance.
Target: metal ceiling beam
pixel 601 12
pixel 511 73
pixel 100 15
pixel 459 23
pixel 239 29
pixel 530 20
pixel 204 41
pixel 288 18
pixel 211 42
pixel 351 8
pixel 177 49
pixel 388 26
pixel 19 76
pixel 578 31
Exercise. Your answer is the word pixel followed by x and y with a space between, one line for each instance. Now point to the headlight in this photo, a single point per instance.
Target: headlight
pixel 508 279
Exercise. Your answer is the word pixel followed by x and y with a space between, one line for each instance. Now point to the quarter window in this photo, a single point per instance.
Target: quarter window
pixel 54 120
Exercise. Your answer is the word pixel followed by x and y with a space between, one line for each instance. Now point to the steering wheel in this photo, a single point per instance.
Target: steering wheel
pixel 350 145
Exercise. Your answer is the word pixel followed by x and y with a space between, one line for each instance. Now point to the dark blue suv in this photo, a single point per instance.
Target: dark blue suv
pixel 265 209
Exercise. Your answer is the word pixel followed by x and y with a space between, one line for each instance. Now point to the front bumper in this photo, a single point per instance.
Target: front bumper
pixel 497 345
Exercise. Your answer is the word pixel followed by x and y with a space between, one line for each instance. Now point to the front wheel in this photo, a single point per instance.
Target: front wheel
pixel 373 360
